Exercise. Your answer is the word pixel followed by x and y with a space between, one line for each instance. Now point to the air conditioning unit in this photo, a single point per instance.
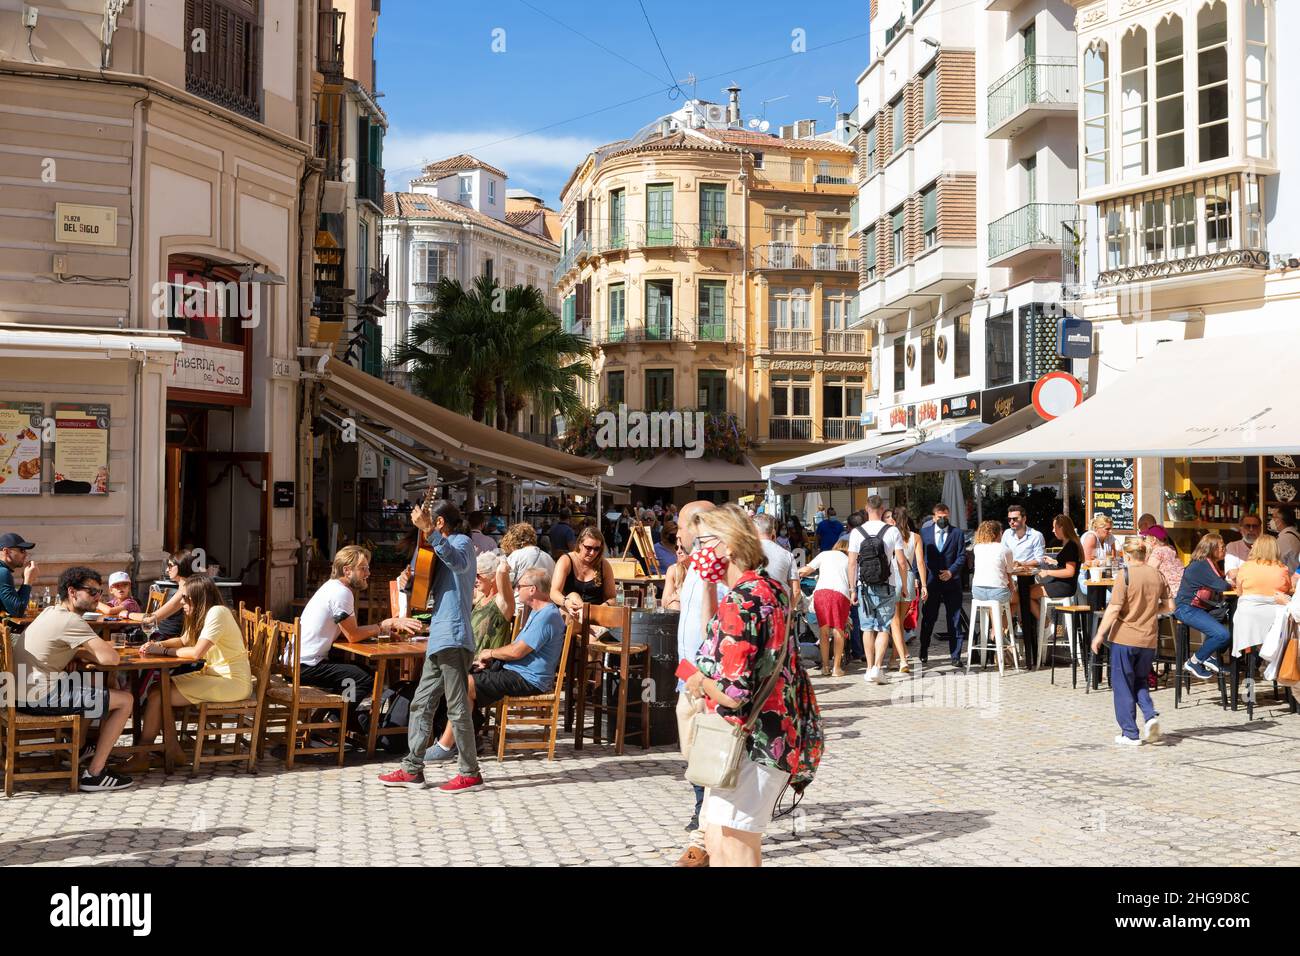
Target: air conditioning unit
pixel 780 255
pixel 824 255
pixel 715 114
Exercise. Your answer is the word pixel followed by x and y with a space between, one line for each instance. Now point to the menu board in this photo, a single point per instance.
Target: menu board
pixel 1281 480
pixel 20 447
pixel 1113 486
pixel 81 449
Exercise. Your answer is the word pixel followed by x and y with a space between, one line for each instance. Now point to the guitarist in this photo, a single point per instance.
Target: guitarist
pixel 450 654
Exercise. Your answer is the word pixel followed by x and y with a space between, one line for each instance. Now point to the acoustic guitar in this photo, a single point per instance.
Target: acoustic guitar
pixel 426 562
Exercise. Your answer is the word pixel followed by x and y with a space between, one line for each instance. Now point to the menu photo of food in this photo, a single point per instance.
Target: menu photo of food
pixel 81 449
pixel 20 448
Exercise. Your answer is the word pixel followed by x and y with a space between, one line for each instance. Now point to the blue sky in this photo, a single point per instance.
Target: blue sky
pixel 538 107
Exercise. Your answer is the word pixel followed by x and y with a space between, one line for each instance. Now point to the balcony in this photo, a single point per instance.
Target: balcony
pixel 661 235
pixel 823 257
pixel 578 251
pixel 1030 230
pixel 329 44
pixel 612 239
pixel 1036 88
pixel 707 329
pixel 842 429
pixel 789 429
pixel 844 343
pixel 660 330
pixel 789 340
pixel 423 291
pixel 777 169
pixel 370 184
pixel 717 236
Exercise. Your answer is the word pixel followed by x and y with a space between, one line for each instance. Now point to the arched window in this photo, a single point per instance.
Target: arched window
pixel 1133 104
pixel 1171 149
pixel 1257 70
pixel 1212 80
pixel 1096 116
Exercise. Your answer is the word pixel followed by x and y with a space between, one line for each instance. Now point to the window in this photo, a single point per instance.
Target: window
pixel 784 229
pixel 1252 212
pixel 1000 357
pixel 1153 230
pixel 1030 168
pixel 658 389
pixel 872 158
pixel 614 388
pixel 927 355
pixel 833 231
pixel 1170 149
pixel 900 368
pixel 842 398
pixel 488 266
pixel 758 160
pixel 433 262
pixel 1096 117
pixel 1029 40
pixel 659 309
pixel 617 315
pixel 1212 81
pixel 1133 105
pixel 492 192
pixel 835 311
pixel 869 249
pixel 930 215
pixel 898 120
pixel 1218 215
pixel 1182 222
pixel 792 397
pixel 897 218
pixel 711 391
pixel 228 71
pixel 618 218
pixel 569 312
pixel 961 346
pixel 466 189
pixel 930 96
pixel 713 211
pixel 1257 67
pixel 659 214
pixel 895 30
pixel 712 326
pixel 1116 217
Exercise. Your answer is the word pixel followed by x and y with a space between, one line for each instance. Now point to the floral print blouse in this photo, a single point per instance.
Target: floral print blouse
pixel 740 651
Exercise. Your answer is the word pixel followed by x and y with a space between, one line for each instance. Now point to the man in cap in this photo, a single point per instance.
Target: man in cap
pixel 13 559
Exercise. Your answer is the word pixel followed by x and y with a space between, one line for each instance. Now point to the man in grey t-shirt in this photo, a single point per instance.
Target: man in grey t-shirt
pixel 780 562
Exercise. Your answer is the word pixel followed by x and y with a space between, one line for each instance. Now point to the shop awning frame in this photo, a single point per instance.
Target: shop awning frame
pixel 86 343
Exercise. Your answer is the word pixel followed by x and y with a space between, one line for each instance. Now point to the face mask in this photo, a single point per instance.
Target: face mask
pixel 709 565
pixel 941 522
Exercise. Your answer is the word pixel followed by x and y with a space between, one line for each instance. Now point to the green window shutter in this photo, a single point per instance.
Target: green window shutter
pixel 931 96
pixel 869 240
pixel 930 209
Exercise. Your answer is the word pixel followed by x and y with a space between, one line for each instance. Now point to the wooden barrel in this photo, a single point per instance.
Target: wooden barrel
pixel 659 630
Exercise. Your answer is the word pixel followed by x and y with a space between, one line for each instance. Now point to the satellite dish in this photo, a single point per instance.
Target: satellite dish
pixel 764 126
pixel 753 122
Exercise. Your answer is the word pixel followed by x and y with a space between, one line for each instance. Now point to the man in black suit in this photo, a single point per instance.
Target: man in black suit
pixel 945 559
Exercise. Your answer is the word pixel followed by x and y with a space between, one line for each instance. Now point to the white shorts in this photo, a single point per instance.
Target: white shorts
pixel 749 804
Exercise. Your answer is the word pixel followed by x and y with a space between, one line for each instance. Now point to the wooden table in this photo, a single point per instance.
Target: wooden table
pixel 379 654
pixel 132 661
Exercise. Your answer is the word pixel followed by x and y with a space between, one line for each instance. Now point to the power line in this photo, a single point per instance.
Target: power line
pixel 675 89
pixel 595 43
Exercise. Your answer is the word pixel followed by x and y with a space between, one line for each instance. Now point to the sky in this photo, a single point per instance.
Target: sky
pixel 531 86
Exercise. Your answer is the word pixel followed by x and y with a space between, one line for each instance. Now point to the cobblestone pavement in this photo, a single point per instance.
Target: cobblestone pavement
pixel 941 770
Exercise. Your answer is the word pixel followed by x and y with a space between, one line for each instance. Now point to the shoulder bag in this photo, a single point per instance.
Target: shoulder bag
pixel 718 745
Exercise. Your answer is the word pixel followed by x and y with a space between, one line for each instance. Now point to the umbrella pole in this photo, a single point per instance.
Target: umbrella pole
pixel 1065 486
pixel 979 497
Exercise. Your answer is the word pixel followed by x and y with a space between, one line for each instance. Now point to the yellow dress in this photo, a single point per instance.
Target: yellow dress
pixel 227 676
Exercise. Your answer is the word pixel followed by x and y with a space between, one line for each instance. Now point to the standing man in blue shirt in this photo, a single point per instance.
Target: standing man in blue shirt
pixel 451 651
pixel 829 531
pixel 13 558
pixel 1027 548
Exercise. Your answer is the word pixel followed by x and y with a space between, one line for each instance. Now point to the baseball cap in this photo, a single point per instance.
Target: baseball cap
pixel 11 540
pixel 119 577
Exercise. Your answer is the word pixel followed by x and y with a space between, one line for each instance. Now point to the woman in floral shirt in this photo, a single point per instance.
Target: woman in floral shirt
pixel 742 644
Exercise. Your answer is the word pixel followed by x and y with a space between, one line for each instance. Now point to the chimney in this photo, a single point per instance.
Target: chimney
pixel 842 127
pixel 665 126
pixel 733 105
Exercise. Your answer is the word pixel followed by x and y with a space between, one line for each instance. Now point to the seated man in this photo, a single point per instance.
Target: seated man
pixel 522 669
pixel 13 559
pixel 41 657
pixel 331 612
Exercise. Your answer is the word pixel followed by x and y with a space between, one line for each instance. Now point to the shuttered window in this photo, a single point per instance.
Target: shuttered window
pixel 227 69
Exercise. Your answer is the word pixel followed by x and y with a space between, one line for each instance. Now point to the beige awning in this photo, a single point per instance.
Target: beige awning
pixel 676 471
pixel 453 435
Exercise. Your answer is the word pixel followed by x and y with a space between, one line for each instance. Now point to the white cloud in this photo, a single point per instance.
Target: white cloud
pixel 530 156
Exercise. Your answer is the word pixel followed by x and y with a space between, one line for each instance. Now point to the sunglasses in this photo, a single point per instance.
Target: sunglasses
pixel 93 592
pixel 590 548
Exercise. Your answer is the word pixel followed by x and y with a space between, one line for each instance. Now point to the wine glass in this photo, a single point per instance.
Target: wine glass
pixel 149 626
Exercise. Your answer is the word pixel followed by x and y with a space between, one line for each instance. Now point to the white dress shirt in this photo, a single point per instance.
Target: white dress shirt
pixel 1028 548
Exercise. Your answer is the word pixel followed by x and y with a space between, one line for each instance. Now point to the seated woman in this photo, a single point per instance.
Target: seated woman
pixel 1199 605
pixel 583 576
pixel 211 635
pixel 1062 580
pixel 1099 543
pixel 1261 581
pixel 168 618
pixel 673 578
pixel 994 564
pixel 1162 556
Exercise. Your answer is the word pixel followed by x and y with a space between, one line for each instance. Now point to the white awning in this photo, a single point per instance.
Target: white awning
pixel 1186 399
pixel 870 447
pixel 50 341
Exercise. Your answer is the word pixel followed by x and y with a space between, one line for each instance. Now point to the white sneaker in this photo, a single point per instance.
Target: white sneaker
pixel 871 675
pixel 882 675
pixel 1151 730
pixel 1123 741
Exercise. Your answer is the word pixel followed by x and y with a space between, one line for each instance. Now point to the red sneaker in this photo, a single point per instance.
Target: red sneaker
pixel 461 783
pixel 400 778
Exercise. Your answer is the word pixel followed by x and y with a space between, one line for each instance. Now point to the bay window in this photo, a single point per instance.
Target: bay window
pixel 1212 80
pixel 1170 149
pixel 1133 105
pixel 1096 117
pixel 1256 79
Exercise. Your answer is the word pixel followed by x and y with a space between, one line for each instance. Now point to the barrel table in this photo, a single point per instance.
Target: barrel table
pixel 658 629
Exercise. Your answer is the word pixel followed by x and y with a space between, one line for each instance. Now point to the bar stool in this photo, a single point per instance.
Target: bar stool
pixel 1044 604
pixel 1183 651
pixel 1076 629
pixel 995 616
pixel 618 662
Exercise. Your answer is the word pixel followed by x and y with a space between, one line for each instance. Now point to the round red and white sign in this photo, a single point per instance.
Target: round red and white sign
pixel 1056 393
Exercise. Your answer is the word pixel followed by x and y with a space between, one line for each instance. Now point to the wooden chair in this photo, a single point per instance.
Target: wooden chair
pixel 240 718
pixel 248 623
pixel 630 661
pixel 157 598
pixel 16 729
pixel 539 710
pixel 295 710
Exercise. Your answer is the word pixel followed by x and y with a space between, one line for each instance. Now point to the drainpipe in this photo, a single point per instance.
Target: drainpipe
pixel 134 299
pixel 746 370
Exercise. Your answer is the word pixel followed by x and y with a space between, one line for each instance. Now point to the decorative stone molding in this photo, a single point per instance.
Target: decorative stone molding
pixel 1090 17
pixel 1234 259
pixel 790 365
pixel 853 367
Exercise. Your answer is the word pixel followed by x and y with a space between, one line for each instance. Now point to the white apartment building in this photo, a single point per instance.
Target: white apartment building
pixel 920 145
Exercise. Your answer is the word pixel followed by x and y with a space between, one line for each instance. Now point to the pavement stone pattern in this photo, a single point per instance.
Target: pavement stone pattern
pixel 940 769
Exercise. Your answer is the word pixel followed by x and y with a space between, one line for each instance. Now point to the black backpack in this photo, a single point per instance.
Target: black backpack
pixel 873 563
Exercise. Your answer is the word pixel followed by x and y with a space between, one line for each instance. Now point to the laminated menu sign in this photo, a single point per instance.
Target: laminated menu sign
pixel 1281 480
pixel 1114 491
pixel 81 449
pixel 20 447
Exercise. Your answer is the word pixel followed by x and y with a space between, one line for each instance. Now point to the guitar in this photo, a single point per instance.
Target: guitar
pixel 426 561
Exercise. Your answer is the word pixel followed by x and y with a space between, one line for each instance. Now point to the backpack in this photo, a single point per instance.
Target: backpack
pixel 811 738
pixel 873 563
pixel 394 711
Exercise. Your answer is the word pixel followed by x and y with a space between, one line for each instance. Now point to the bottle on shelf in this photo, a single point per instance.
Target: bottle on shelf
pixel 47 599
pixel 650 601
pixel 618 593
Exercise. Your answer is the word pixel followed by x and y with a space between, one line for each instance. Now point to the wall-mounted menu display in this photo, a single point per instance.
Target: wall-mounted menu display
pixel 1281 480
pixel 1112 484
pixel 20 447
pixel 81 449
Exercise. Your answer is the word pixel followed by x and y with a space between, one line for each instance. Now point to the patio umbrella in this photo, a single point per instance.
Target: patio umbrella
pixel 812 503
pixel 937 454
pixel 954 499
pixel 840 477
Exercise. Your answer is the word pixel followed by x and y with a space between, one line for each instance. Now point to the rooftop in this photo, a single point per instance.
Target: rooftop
pixel 462 163
pixel 422 206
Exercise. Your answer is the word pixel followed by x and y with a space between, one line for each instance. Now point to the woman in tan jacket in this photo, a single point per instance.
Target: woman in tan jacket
pixel 1140 596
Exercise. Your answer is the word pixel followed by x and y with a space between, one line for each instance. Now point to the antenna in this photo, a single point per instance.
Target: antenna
pixel 833 100
pixel 764 126
pixel 773 99
pixel 692 81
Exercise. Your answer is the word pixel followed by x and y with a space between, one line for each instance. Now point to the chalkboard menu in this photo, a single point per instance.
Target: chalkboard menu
pixel 1281 481
pixel 1113 487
